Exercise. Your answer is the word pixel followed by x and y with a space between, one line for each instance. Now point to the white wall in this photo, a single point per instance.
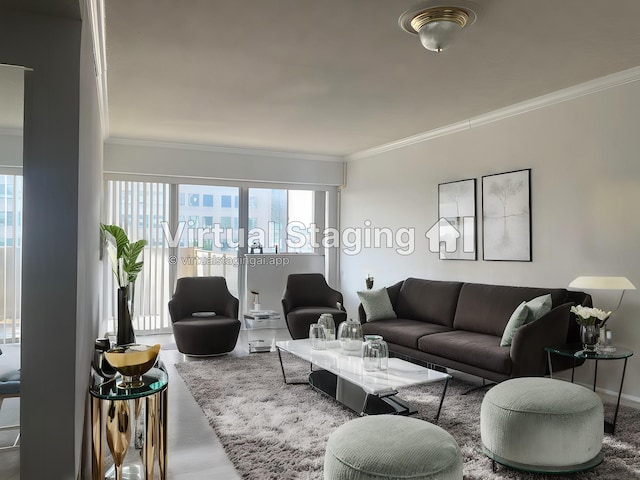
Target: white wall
pixel 172 162
pixel 89 269
pixel 11 148
pixel 60 242
pixel 267 274
pixel 585 161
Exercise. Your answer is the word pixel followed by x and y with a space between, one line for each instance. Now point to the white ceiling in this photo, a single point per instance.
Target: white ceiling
pixel 339 76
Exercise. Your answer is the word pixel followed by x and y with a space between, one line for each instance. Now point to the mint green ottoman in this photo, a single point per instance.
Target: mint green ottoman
pixel 391 447
pixel 542 425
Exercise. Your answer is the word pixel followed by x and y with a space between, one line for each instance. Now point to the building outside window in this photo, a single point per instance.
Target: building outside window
pixel 273 210
pixel 194 200
pixel 207 200
pixel 225 201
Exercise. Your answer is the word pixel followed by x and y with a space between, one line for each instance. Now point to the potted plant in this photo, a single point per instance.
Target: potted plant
pixel 126 267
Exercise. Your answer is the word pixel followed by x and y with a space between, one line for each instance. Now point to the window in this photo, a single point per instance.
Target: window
pixel 181 199
pixel 11 258
pixel 194 200
pixel 204 252
pixel 235 201
pixel 300 218
pixel 193 221
pixel 225 222
pixel 281 218
pixel 6 190
pixel 141 208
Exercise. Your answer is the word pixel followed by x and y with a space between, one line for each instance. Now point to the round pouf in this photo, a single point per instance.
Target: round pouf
pixel 542 425
pixel 391 447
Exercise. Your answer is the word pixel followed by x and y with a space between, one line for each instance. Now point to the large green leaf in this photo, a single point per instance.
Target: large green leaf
pixel 123 254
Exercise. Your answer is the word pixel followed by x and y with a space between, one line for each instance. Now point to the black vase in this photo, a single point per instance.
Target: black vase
pixel 125 332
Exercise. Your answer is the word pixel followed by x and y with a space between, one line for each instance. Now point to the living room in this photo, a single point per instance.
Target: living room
pixel 572 125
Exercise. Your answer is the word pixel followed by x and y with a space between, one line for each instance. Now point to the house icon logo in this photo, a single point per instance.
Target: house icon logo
pixel 443 235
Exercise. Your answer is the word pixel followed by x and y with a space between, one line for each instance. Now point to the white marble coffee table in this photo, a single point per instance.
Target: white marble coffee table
pixel 342 377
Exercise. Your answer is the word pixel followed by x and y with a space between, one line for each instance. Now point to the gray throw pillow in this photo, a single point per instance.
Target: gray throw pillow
pixel 524 313
pixel 539 306
pixel 376 304
pixel 518 318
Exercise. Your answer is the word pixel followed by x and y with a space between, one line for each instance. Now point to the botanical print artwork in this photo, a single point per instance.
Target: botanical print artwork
pixel 457 220
pixel 506 216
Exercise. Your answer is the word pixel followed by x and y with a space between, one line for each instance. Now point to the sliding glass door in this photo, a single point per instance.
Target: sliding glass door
pixel 208 229
pixel 199 230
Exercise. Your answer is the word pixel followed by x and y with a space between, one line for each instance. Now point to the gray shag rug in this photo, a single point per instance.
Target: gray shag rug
pixel 275 431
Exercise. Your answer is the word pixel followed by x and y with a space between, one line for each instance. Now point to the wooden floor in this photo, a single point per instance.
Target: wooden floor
pixel 194 451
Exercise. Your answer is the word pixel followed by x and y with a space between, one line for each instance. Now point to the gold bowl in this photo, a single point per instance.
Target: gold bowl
pixel 132 361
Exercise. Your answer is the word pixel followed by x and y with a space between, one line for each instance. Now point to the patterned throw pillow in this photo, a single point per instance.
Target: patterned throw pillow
pixel 376 304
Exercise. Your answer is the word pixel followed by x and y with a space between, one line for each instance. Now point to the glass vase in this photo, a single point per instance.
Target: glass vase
pixel 326 320
pixel 350 337
pixel 375 353
pixel 318 336
pixel 589 337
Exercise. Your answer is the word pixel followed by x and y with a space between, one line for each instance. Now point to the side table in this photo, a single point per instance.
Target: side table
pixel 261 326
pixel 110 400
pixel 576 352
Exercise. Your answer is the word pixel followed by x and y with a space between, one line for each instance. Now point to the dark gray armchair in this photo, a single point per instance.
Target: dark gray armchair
pixel 306 297
pixel 204 335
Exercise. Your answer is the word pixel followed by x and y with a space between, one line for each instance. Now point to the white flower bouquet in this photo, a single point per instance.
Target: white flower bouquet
pixel 589 315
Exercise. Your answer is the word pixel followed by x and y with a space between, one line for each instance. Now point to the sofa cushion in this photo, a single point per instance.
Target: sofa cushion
pixel 402 331
pixel 376 304
pixel 477 349
pixel 487 308
pixel 428 301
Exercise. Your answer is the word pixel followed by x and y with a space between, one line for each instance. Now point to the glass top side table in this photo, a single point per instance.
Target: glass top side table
pixel 576 352
pixel 107 399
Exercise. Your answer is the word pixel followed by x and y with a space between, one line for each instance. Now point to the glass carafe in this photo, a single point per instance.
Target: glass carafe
pixel 375 353
pixel 350 336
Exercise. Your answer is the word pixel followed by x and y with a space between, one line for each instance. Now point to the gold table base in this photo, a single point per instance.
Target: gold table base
pixel 117 430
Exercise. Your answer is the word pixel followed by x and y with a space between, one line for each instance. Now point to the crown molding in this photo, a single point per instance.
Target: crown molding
pixel 95 10
pixel 223 149
pixel 587 88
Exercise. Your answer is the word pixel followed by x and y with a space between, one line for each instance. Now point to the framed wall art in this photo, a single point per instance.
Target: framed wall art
pixel 506 216
pixel 457 220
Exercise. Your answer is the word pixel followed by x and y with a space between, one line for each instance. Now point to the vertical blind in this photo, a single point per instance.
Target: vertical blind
pixel 140 208
pixel 11 257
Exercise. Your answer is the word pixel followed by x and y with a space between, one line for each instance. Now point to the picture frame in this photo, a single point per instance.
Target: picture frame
pixel 506 216
pixel 457 220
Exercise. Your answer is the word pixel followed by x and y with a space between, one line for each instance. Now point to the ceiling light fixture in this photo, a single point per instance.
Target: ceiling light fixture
pixel 436 25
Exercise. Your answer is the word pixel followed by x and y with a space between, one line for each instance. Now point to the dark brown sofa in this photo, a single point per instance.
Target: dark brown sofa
pixel 459 325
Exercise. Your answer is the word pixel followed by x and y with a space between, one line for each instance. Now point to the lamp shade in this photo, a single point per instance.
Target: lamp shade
pixel 438 35
pixel 602 283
